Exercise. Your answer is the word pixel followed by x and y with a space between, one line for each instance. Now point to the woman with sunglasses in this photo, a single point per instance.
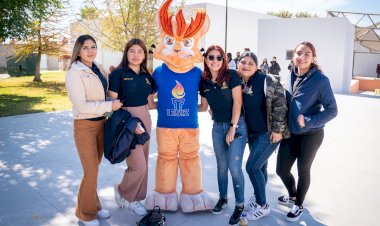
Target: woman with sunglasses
pixel 220 88
pixel 308 92
pixel 265 113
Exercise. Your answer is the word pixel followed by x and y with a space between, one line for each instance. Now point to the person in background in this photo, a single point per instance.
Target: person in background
pixel 264 67
pixel 231 62
pixel 291 65
pixel 220 88
pixel 378 70
pixel 311 105
pixel 86 83
pixel 237 58
pixel 265 113
pixel 133 84
pixel 274 67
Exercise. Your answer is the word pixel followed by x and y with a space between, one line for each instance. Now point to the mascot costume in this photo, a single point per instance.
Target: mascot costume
pixel 177 81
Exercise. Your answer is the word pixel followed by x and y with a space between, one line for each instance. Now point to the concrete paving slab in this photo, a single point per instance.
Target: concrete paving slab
pixel 40 173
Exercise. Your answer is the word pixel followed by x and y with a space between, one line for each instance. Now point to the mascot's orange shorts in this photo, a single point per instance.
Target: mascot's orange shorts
pixel 178 147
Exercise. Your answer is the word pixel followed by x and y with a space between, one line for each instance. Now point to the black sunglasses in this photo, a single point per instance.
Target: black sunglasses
pixel 212 57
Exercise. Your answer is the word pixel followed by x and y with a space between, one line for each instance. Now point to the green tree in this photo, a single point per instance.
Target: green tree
pixel 304 15
pixel 88 13
pixel 14 18
pixel 287 14
pixel 43 34
pixel 282 13
pixel 120 20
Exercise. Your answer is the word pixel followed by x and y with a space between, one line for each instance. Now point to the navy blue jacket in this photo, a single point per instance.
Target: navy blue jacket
pixel 313 93
pixel 120 137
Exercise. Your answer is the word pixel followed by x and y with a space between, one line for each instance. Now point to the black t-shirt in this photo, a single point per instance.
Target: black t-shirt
pixel 103 80
pixel 254 103
pixel 220 97
pixel 133 89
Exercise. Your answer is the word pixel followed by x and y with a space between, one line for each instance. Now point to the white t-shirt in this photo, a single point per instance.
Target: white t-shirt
pixel 232 65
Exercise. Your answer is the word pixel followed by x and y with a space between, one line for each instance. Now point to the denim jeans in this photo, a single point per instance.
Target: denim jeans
pixel 230 157
pixel 260 151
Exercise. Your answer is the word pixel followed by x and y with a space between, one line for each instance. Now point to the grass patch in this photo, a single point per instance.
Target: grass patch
pixel 20 95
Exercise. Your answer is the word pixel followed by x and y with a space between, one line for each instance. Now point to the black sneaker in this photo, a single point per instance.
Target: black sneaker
pixel 220 205
pixel 295 213
pixel 235 218
pixel 285 200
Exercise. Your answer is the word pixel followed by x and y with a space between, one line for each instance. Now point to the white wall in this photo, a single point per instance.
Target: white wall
pixel 365 63
pixel 333 39
pixel 242 27
pixel 108 57
pixel 43 63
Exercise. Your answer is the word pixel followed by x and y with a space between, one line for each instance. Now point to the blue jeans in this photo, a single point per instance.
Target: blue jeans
pixel 230 157
pixel 260 151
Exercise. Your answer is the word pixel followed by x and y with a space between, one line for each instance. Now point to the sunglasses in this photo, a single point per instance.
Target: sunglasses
pixel 212 57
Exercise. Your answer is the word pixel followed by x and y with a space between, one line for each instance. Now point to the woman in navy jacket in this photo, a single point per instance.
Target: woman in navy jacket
pixel 307 92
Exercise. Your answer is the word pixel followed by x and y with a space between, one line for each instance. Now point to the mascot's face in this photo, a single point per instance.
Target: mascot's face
pixel 178 46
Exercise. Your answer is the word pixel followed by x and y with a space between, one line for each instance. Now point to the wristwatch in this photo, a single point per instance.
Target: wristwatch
pixel 234 125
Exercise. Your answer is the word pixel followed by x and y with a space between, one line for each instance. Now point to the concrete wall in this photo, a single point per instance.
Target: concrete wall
pixel 47 62
pixel 333 39
pixel 108 57
pixel 365 63
pixel 6 50
pixel 242 27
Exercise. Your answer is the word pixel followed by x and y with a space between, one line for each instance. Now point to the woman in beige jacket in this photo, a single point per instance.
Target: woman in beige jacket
pixel 87 83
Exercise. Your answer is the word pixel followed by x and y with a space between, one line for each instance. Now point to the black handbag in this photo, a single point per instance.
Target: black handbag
pixel 153 218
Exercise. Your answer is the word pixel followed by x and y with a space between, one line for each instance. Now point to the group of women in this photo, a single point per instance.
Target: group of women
pixel 246 105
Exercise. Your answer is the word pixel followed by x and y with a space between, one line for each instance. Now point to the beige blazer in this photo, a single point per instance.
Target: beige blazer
pixel 86 91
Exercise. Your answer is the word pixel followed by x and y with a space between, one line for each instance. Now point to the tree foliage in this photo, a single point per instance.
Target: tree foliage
pixel 121 20
pixel 88 13
pixel 304 15
pixel 43 33
pixel 287 14
pixel 14 18
pixel 282 13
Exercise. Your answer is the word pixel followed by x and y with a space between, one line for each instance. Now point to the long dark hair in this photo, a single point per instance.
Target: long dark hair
pixel 313 51
pixel 78 46
pixel 223 72
pixel 124 62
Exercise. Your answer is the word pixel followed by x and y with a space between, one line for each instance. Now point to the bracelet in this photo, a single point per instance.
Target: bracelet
pixel 233 125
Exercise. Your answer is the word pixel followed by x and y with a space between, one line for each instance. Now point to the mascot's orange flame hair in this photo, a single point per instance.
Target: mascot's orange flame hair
pixel 183 31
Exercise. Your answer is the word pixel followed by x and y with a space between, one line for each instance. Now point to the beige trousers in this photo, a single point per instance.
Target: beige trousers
pixel 133 186
pixel 89 139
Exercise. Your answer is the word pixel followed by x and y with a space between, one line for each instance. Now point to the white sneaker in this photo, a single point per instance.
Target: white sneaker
pixel 258 212
pixel 250 204
pixel 103 214
pixel 90 223
pixel 137 208
pixel 120 201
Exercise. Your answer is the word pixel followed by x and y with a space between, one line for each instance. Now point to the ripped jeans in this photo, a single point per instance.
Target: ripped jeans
pixel 230 157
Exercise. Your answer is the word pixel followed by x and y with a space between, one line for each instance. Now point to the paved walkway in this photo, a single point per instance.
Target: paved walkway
pixel 40 173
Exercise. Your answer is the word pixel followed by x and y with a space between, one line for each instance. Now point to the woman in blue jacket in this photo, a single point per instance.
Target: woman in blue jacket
pixel 307 92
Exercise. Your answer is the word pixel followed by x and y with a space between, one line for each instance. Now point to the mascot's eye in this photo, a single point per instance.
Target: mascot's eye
pixel 169 41
pixel 188 43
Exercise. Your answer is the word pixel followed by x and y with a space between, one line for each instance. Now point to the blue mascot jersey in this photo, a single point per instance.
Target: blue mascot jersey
pixel 177 97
